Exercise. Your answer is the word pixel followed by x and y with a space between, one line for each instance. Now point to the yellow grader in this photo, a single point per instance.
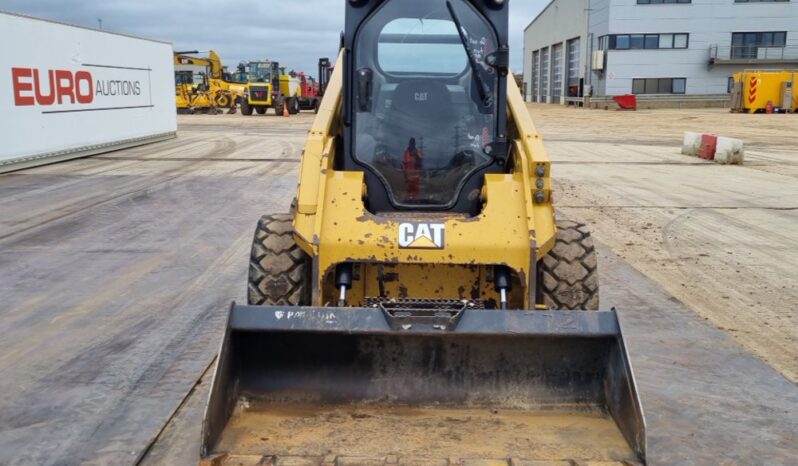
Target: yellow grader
pixel 419 303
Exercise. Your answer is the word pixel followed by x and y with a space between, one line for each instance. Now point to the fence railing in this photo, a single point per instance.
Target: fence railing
pixel 752 53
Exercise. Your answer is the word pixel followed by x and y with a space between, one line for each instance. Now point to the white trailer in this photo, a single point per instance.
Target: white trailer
pixel 68 91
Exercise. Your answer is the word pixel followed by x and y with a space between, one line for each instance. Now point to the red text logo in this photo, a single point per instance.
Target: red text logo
pixel 33 87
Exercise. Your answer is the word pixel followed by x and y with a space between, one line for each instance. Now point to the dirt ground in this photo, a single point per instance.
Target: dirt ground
pixel 663 126
pixel 721 239
pixel 374 431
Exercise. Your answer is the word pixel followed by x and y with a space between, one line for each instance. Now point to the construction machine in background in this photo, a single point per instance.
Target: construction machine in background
pixel 258 94
pixel 325 73
pixel 192 92
pixel 420 303
pixel 313 89
pixel 195 92
pixel 201 84
pixel 269 87
pixel 309 90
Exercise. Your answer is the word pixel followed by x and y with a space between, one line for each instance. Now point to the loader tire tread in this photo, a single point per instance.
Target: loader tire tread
pixel 278 267
pixel 293 106
pixel 246 108
pixel 569 272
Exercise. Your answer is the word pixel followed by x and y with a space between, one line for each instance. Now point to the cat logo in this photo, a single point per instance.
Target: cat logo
pixel 421 96
pixel 414 235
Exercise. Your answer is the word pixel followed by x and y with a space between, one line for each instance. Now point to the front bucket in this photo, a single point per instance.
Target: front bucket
pixel 303 385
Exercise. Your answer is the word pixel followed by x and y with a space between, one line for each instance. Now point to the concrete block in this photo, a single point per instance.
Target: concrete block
pixel 729 151
pixel 691 143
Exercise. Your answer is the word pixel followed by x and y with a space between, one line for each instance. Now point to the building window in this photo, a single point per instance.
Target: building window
pixel 573 68
pixel 643 41
pixel 747 44
pixel 660 2
pixel 658 85
pixel 556 71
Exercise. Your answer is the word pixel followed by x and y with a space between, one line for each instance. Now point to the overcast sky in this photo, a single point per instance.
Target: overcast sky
pixel 294 32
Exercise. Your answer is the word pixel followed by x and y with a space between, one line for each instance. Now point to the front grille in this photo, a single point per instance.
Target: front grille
pixel 259 92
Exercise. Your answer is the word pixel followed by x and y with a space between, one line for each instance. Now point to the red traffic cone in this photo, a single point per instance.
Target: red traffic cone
pixel 285 109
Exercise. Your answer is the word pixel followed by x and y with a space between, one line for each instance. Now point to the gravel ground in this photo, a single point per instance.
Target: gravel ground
pixel 721 239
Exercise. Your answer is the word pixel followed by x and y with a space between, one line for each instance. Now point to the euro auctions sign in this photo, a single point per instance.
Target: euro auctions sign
pixel 68 91
pixel 92 87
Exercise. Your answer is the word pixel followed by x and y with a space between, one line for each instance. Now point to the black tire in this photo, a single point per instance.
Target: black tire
pixel 279 271
pixel 316 105
pixel 246 108
pixel 569 272
pixel 261 110
pixel 293 105
pixel 278 106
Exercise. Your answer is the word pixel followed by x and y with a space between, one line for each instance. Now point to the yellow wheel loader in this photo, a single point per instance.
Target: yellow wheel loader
pixel 419 304
pixel 267 88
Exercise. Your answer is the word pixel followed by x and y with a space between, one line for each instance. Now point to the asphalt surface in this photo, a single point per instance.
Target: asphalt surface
pixel 117 274
pixel 118 271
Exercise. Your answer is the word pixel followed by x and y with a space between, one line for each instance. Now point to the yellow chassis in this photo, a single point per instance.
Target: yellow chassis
pixel 332 225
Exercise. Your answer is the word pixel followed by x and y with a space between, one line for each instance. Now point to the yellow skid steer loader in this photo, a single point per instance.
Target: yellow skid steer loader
pixel 419 304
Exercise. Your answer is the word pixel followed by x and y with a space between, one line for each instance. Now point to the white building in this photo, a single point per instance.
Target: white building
pixel 661 49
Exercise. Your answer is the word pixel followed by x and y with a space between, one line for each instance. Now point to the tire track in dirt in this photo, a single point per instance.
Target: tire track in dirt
pixel 746 295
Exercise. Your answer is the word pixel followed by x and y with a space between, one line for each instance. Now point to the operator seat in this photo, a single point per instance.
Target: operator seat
pixel 420 109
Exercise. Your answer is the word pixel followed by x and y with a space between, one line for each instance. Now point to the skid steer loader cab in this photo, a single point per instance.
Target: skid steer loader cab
pixel 419 304
pixel 428 109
